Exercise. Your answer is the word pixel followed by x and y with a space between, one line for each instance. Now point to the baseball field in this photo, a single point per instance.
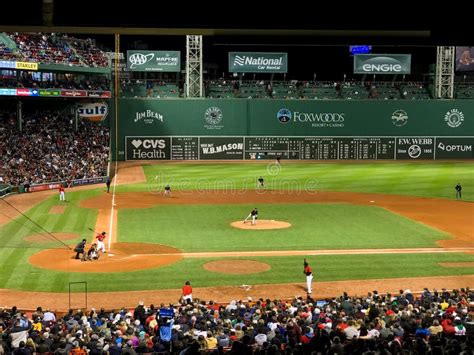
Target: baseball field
pixel 361 226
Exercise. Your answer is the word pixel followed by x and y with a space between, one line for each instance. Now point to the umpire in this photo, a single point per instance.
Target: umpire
pixel 79 249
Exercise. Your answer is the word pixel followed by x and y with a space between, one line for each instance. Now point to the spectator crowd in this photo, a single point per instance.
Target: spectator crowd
pixel 436 322
pixel 59 82
pixel 50 149
pixel 53 48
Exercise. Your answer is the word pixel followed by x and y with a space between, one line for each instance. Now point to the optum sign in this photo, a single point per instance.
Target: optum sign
pixel 382 64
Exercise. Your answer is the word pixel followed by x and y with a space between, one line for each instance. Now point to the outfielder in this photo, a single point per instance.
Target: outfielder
pixel 100 242
pixel 254 215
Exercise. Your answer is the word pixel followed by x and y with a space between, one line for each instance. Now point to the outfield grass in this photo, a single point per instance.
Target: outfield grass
pixel 427 179
pixel 18 274
pixel 194 228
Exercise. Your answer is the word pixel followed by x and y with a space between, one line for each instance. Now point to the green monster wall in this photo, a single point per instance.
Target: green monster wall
pixel 291 118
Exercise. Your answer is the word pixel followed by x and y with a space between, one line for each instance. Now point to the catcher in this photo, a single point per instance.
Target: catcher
pixel 92 253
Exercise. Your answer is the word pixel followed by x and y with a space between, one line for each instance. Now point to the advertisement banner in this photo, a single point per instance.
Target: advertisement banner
pixel 165 61
pixel 6 64
pixel 49 93
pixel 27 92
pixel 26 66
pixel 258 62
pixel 455 148
pixel 90 181
pixel 8 92
pixel 44 187
pixel 415 148
pixel 100 94
pixel 382 64
pixel 74 93
pixel 147 148
pixel 94 111
pixel 464 58
pixel 221 148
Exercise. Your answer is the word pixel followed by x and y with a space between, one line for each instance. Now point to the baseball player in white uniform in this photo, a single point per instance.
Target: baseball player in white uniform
pixel 100 242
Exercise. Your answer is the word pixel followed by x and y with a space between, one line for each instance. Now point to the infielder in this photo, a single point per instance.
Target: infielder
pixel 100 242
pixel 254 215
pixel 167 191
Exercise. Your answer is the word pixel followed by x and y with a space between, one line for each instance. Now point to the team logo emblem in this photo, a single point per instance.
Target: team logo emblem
pixel 137 59
pixel 414 151
pixel 399 118
pixel 454 118
pixel 213 115
pixel 284 115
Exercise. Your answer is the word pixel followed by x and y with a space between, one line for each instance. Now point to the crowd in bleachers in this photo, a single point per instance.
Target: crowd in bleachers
pixel 100 83
pixel 316 90
pixel 44 48
pixel 150 88
pixel 89 53
pixel 53 49
pixel 50 149
pixel 433 323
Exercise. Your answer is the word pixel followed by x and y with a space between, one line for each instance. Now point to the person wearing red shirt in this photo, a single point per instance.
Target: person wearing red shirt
pixel 309 276
pixel 62 196
pixel 187 292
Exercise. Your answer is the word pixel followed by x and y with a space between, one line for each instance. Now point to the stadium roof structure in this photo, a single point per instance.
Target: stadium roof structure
pixel 323 21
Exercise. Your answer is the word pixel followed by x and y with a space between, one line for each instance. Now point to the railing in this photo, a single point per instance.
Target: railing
pixel 5 190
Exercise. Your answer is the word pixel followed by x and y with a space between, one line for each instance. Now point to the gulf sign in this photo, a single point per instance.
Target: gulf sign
pixel 95 112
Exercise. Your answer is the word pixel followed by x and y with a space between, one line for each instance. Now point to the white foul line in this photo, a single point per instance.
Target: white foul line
pixel 113 206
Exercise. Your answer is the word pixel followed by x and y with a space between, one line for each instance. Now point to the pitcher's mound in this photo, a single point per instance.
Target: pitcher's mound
pixel 261 224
